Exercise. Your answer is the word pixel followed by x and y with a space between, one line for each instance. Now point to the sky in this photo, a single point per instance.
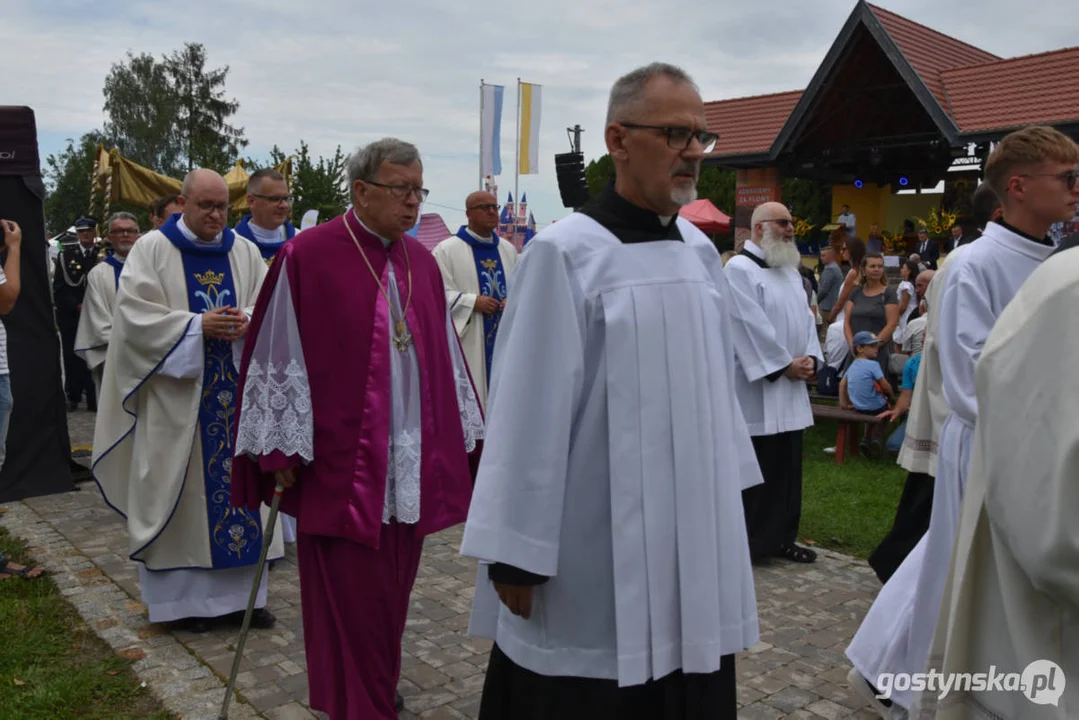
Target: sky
pixel 346 72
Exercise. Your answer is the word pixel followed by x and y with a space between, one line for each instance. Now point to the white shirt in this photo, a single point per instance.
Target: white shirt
pixel 849 220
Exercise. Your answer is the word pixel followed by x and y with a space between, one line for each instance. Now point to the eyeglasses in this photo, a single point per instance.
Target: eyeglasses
pixel 400 192
pixel 489 207
pixel 123 233
pixel 679 137
pixel 275 199
pixel 1068 177
pixel 781 222
pixel 208 207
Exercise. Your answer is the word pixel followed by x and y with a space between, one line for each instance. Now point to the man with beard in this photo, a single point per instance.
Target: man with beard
pixel 95 323
pixel 267 226
pixel 615 577
pixel 776 405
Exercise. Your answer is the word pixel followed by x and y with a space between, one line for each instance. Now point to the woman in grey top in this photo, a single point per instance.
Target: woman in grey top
pixel 873 307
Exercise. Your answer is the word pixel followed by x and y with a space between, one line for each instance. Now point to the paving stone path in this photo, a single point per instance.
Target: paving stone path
pixel 808 614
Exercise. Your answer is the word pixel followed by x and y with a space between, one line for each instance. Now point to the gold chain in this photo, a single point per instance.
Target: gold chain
pixel 401 337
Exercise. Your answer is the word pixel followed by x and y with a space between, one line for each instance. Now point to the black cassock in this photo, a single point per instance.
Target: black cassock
pixel 69 288
pixel 511 692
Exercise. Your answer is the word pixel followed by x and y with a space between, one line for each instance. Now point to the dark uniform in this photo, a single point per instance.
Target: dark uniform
pixel 69 287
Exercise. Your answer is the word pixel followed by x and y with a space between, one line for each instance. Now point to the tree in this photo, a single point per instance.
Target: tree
pixel 67 179
pixel 141 107
pixel 598 174
pixel 810 200
pixel 202 112
pixel 171 115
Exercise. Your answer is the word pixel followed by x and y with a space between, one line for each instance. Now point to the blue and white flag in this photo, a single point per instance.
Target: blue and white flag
pixel 491 130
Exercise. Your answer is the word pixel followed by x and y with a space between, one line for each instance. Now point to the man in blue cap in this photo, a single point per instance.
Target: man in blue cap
pixel 69 287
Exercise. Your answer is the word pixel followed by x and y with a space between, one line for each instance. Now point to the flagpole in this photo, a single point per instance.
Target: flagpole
pixel 481 134
pixel 517 169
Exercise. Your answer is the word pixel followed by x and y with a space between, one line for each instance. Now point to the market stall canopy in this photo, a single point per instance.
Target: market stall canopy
pixel 118 179
pixel 706 216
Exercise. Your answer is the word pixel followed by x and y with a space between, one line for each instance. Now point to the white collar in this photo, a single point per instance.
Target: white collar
pixel 493 239
pixel 190 235
pixel 754 249
pixel 268 236
pixel 385 241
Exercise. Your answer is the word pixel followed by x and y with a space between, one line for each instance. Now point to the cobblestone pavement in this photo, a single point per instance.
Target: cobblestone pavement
pixel 808 614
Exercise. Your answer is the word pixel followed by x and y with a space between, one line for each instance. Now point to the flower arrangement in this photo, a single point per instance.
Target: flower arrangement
pixel 802 227
pixel 894 242
pixel 939 222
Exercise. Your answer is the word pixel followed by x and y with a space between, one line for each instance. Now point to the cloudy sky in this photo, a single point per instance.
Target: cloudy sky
pixel 345 72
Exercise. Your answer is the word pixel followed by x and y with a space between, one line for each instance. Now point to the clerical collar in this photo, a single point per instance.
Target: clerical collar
pixel 490 240
pixel 386 242
pixel 1016 231
pixel 192 237
pixel 628 222
pixel 267 237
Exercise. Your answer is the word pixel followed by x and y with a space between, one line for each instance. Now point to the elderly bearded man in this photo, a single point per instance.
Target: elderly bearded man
pixel 616 580
pixel 95 323
pixel 776 404
pixel 163 439
pixel 357 399
pixel 476 266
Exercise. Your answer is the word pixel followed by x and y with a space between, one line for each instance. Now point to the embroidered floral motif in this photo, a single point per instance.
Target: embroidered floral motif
pixel 277 411
pixel 403 482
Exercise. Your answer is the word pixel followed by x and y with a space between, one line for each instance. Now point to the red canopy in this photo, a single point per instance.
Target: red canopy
pixel 706 216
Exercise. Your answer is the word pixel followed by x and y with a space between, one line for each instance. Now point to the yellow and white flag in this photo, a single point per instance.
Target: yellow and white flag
pixel 528 155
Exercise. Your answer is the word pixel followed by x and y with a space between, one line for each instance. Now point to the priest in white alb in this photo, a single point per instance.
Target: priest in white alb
pixel 1032 171
pixel 476 267
pixel 95 322
pixel 164 434
pixel 615 577
pixel 776 404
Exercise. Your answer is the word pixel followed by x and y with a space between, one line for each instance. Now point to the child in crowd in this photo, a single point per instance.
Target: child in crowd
pixel 865 389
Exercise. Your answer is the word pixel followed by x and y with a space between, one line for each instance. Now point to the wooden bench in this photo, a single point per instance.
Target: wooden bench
pixel 846 439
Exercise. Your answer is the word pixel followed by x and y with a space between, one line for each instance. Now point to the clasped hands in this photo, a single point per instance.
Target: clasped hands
pixel 224 323
pixel 488 305
pixel 801 368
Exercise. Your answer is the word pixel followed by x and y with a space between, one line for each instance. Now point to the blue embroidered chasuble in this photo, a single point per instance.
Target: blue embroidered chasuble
pixel 235 534
pixel 492 278
pixel 117 267
pixel 268 250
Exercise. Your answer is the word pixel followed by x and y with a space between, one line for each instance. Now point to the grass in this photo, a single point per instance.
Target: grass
pixel 848 507
pixel 52 665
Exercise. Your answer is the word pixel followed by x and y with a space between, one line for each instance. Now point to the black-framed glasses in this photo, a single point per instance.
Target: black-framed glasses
pixel 489 207
pixel 781 222
pixel 208 206
pixel 1068 177
pixel 400 192
pixel 679 136
pixel 275 199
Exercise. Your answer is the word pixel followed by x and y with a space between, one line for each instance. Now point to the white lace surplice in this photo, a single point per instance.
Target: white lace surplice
pixel 277 400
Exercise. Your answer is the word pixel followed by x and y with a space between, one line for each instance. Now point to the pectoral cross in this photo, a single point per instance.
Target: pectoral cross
pixel 402 338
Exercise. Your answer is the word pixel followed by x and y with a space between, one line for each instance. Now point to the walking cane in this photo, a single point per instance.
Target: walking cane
pixel 267 538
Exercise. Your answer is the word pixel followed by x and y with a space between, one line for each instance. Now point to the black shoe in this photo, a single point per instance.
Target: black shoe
pixel 261 619
pixel 399 703
pixel 196 625
pixel 91 405
pixel 72 405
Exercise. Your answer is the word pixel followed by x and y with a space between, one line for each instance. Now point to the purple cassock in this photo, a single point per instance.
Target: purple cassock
pixel 380 430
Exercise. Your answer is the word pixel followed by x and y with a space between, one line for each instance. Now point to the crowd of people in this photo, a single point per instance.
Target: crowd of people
pixel 616 415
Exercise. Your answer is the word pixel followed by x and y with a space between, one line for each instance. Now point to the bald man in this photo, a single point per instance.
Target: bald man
pixel 164 435
pixel 776 406
pixel 476 265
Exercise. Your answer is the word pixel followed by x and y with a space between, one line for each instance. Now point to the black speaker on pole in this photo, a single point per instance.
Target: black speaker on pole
pixel 569 168
pixel 38 447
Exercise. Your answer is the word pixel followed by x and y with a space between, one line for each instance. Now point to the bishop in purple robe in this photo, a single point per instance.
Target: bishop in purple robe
pixel 356 398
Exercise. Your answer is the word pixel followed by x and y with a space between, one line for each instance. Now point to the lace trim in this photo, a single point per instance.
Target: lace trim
pixel 471 417
pixel 276 411
pixel 403 481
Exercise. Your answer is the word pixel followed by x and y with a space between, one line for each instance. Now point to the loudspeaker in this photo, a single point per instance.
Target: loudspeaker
pixel 571 182
pixel 38 448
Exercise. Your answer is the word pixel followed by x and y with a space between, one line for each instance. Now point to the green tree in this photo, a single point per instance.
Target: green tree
pixel 171 115
pixel 810 200
pixel 598 174
pixel 140 109
pixel 717 185
pixel 67 180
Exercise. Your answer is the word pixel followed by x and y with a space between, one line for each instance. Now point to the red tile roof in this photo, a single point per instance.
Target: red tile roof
pixel 749 125
pixel 930 52
pixel 1041 88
